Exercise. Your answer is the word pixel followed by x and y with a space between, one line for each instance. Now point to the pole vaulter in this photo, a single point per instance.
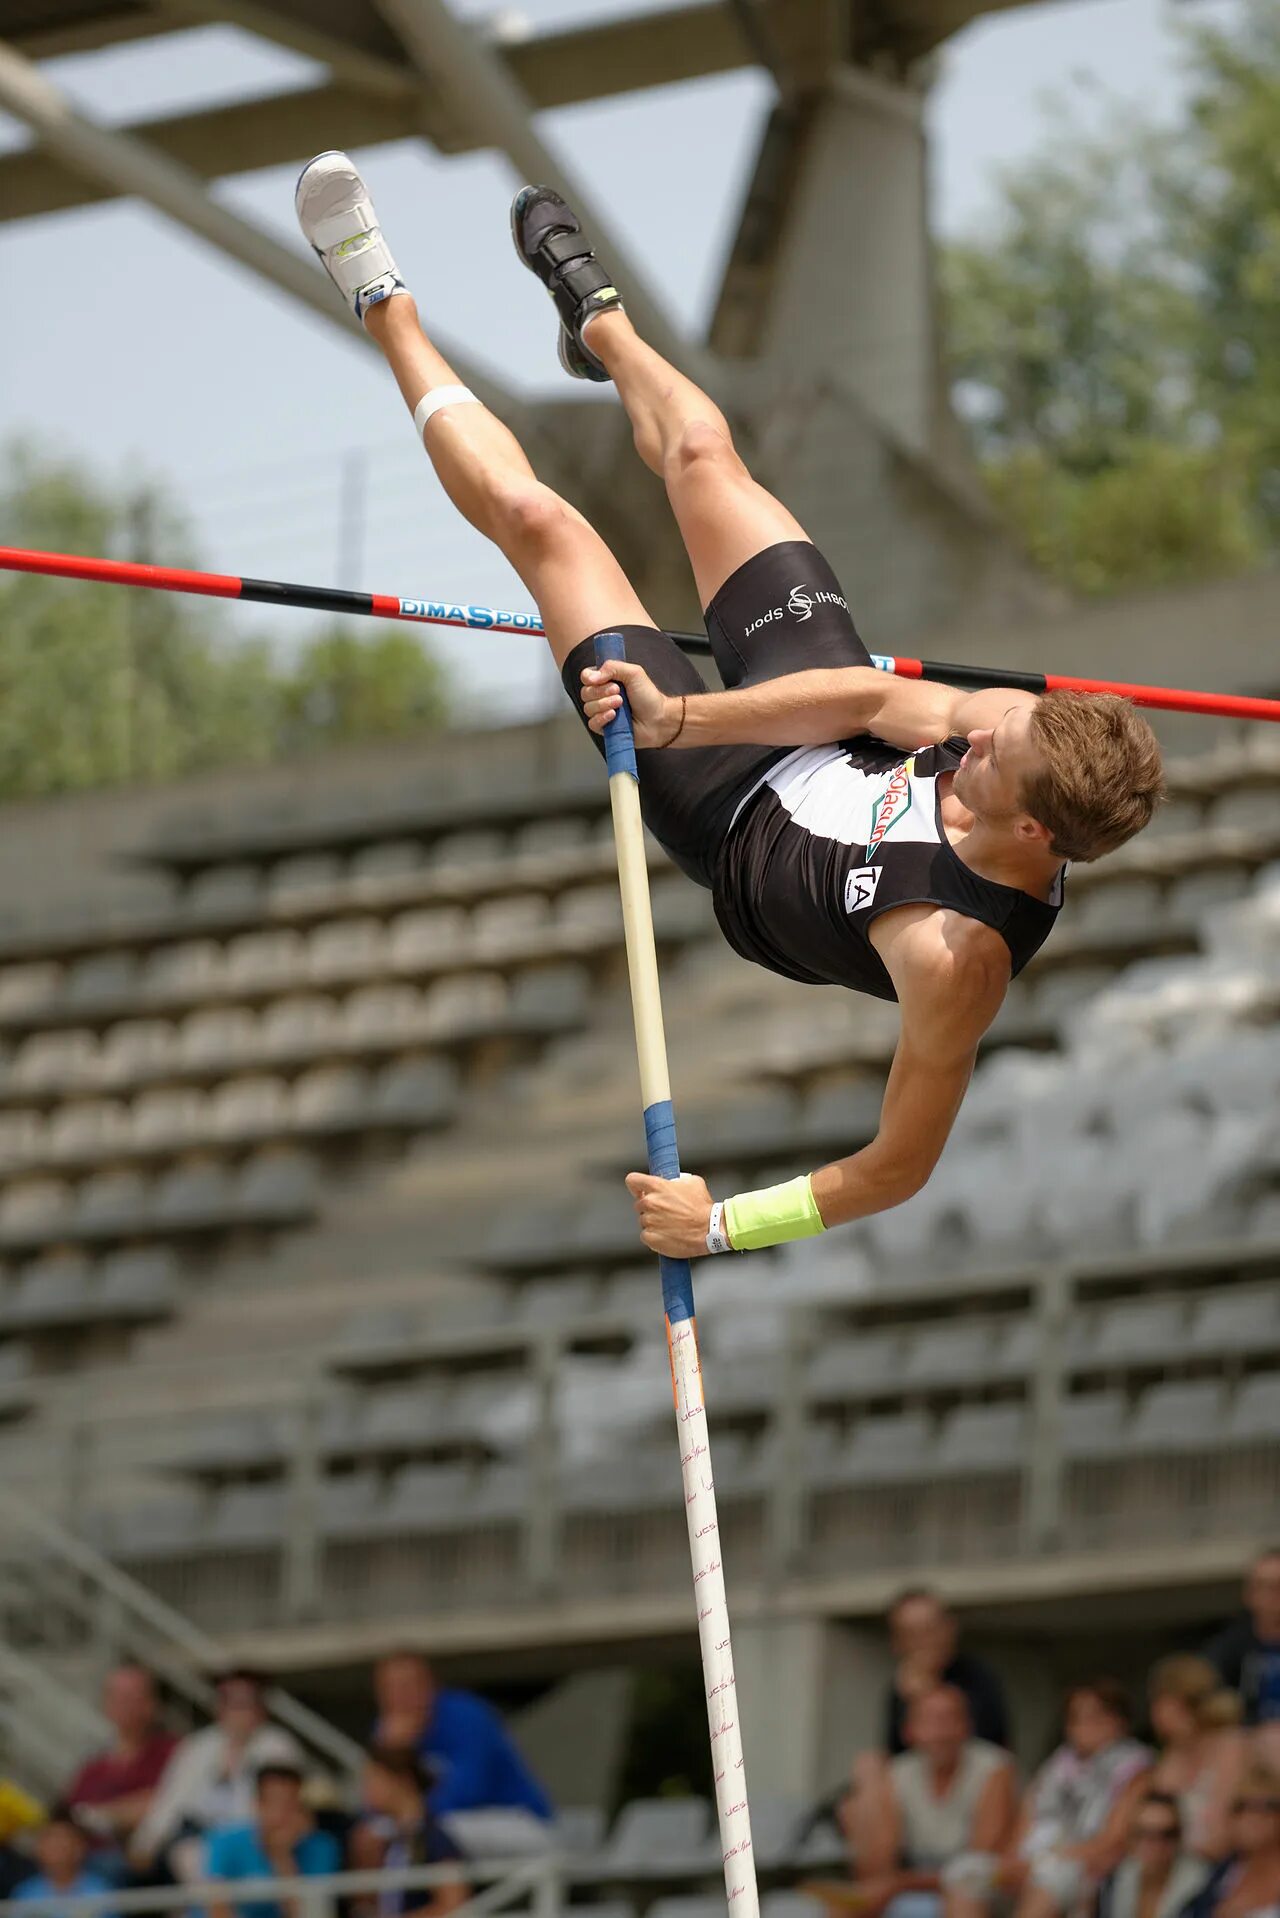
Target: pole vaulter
pixel 493 619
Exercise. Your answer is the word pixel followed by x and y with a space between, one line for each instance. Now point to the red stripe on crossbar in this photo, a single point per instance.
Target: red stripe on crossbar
pixel 1171 699
pixel 120 572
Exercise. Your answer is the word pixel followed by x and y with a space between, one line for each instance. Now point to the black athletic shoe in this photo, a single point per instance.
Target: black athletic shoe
pixel 551 243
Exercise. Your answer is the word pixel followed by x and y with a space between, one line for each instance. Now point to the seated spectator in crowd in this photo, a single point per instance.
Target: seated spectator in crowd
pixel 208 1783
pixel 1247 1884
pixel 279 1841
pixel 19 1815
pixel 1246 1653
pixel 396 1784
pixel 1075 1818
pixel 62 1850
pixel 924 1637
pixel 938 1819
pixel 1157 1876
pixel 1202 1751
pixel 464 1744
pixel 112 1791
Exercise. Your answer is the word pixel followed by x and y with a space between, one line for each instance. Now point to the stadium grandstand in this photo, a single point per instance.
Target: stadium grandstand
pixel 325 1330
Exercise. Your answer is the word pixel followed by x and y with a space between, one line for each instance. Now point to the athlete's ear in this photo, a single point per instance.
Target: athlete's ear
pixel 1031 832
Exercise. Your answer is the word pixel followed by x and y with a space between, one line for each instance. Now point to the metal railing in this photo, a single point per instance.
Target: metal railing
pixel 56 1576
pixel 785 1513
pixel 534 1884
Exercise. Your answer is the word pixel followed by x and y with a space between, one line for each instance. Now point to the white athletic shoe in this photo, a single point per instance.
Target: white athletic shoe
pixel 337 219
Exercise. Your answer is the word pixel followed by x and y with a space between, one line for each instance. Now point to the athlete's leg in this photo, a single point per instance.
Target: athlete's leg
pixel 578 585
pixel 725 516
pixel 772 603
pixel 576 582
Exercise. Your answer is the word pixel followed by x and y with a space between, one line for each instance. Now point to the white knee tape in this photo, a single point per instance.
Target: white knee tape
pixel 439 396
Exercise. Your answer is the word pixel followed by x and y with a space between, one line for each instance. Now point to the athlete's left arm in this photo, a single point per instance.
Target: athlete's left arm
pixel 809 708
pixel 951 975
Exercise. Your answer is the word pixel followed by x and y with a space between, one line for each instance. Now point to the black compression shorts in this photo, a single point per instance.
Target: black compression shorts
pixel 782 612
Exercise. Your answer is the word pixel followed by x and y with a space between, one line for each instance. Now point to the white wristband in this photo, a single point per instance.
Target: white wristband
pixel 430 403
pixel 717 1237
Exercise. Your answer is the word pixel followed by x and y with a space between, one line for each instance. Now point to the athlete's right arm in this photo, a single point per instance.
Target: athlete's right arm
pixel 810 708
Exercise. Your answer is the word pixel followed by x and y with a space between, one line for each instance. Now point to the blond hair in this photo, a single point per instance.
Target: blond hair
pixel 1196 1683
pixel 1100 776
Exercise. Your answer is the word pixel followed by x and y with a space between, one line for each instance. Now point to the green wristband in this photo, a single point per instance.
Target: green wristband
pixel 774 1215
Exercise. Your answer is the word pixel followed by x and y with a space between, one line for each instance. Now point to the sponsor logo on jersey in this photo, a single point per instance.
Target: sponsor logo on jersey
pixel 800 605
pixel 893 804
pixel 860 887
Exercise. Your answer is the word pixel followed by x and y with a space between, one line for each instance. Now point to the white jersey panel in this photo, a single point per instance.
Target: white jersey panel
pixel 825 793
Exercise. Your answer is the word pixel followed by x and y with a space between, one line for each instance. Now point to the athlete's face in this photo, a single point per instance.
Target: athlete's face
pixel 990 778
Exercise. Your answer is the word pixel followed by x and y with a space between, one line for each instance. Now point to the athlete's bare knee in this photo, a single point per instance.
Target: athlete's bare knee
pixel 701 448
pixel 534 520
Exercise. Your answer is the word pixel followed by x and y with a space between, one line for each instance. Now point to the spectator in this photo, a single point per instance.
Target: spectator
pixel 924 1638
pixel 112 1790
pixel 1077 1812
pixel 1156 1877
pixel 208 1783
pixel 461 1739
pixel 941 1817
pixel 1246 1653
pixel 1202 1751
pixel 280 1841
pixel 62 1847
pixel 1247 1885
pixel 19 1814
pixel 396 1783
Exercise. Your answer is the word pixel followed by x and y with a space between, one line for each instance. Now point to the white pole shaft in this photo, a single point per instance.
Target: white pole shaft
pixel 682 1339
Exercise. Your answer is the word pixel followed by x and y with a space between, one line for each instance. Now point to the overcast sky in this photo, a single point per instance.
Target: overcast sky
pixel 133 347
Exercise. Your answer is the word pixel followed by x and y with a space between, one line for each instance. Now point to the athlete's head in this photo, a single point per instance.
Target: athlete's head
pixel 1079 772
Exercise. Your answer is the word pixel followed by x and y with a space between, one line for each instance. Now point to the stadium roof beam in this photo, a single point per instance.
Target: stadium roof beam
pixel 128 166
pixel 642 49
pixel 249 133
pixel 376 69
pixel 375 94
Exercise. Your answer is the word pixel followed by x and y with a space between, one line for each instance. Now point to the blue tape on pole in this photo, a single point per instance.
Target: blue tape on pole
pixel 677 1290
pixel 664 1163
pixel 660 1137
pixel 619 740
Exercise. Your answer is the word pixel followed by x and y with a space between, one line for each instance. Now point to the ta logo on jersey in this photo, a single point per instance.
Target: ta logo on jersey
pixel 860 887
pixel 800 603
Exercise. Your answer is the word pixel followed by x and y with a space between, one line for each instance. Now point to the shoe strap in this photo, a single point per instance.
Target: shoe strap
pixel 337 227
pixel 561 248
pixel 578 283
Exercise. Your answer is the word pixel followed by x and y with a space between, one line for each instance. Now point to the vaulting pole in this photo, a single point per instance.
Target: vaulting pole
pixel 492 619
pixel 677 1304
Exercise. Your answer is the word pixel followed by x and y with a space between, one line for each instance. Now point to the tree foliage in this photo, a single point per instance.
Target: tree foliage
pixel 100 685
pixel 1115 342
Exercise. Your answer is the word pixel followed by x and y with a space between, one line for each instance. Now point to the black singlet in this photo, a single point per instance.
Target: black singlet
pixel 833 836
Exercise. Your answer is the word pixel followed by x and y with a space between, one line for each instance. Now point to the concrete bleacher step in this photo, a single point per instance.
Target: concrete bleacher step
pixel 515 1084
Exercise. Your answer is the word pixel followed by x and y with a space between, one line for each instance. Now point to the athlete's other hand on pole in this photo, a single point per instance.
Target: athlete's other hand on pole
pixel 655 716
pixel 674 1214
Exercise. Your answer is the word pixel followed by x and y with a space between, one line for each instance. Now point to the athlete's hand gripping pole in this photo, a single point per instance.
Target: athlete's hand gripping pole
pixel 677 1304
